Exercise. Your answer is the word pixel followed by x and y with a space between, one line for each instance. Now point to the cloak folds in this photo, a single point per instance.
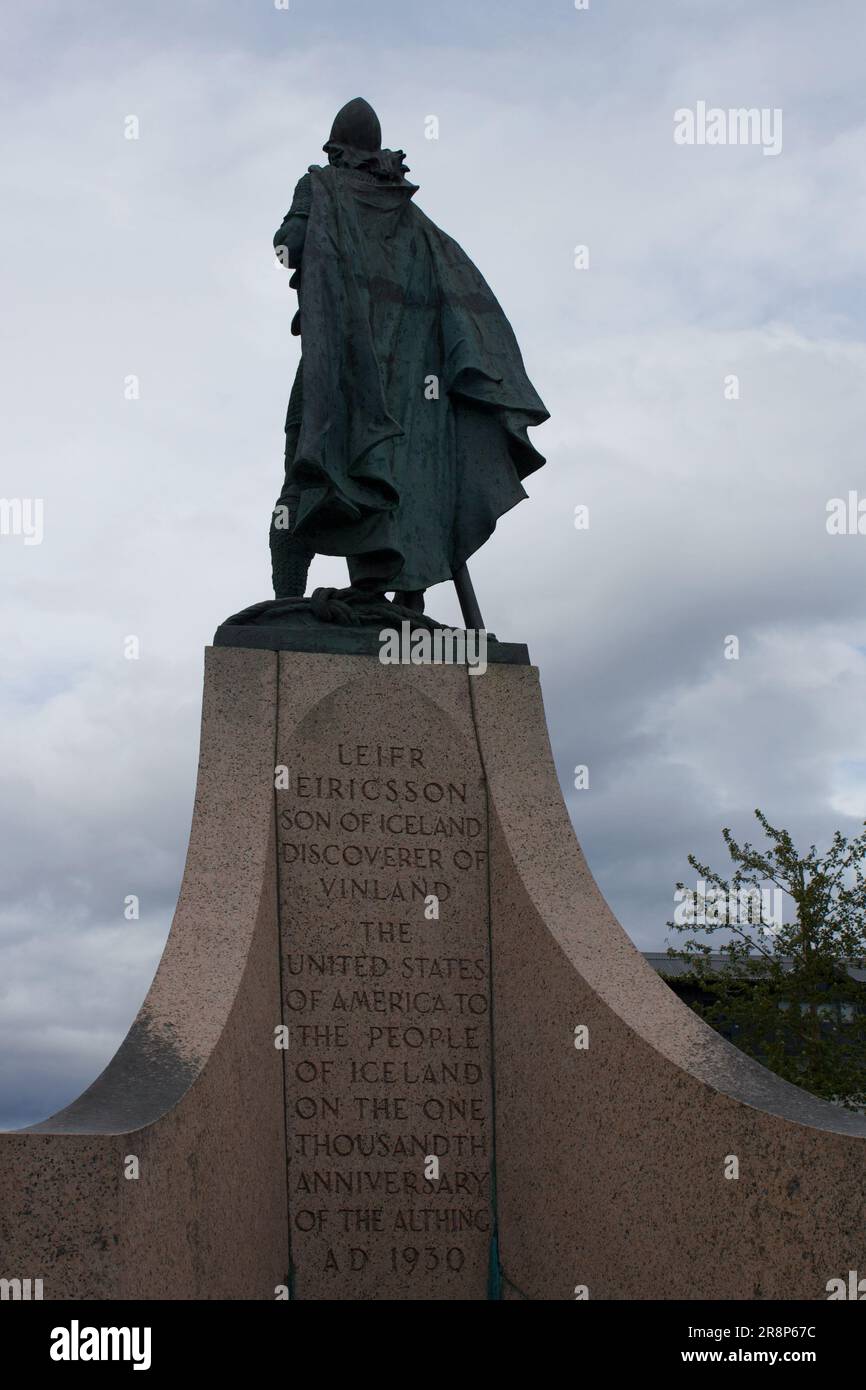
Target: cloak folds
pixel 404 475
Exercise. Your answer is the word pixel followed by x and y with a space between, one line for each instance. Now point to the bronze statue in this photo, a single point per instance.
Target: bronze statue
pixel 406 432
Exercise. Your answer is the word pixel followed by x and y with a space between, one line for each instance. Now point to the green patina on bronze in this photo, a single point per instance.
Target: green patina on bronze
pixel 406 436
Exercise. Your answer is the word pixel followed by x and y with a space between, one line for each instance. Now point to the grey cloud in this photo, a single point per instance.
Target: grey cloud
pixel 707 516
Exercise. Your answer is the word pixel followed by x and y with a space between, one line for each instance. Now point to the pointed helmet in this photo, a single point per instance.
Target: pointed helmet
pixel 357 125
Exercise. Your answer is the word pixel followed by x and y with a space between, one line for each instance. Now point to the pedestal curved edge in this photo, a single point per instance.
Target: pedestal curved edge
pixel 196 1076
pixel 612 1161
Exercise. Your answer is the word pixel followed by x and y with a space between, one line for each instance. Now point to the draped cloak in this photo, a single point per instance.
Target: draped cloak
pixel 413 437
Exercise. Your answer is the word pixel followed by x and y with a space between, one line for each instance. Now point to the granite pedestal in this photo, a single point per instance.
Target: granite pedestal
pixel 355 1074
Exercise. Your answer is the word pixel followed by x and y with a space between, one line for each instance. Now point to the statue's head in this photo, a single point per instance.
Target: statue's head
pixel 355 143
pixel 356 125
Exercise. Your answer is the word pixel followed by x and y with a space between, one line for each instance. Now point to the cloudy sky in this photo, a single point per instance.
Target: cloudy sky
pixel 152 258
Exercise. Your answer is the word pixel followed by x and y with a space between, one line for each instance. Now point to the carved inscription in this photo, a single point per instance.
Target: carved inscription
pixel 382 845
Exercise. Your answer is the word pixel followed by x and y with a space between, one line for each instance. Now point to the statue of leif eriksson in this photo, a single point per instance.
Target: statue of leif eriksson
pixel 406 432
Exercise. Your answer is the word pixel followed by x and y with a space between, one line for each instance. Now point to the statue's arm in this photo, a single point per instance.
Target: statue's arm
pixel 289 239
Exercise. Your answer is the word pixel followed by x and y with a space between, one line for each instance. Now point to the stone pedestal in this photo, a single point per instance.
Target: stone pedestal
pixel 355 1074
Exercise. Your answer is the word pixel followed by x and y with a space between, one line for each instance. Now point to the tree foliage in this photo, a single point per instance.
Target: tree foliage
pixel 784 994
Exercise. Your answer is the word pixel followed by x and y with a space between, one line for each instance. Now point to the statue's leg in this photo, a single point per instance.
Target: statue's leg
pixel 411 598
pixel 290 557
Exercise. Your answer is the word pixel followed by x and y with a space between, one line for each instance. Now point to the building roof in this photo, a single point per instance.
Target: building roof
pixel 675 965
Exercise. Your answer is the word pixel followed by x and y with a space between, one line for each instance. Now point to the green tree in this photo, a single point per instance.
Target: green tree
pixel 784 994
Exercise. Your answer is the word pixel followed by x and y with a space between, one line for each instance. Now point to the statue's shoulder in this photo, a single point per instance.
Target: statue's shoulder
pixel 317 175
pixel 305 179
pixel 302 200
